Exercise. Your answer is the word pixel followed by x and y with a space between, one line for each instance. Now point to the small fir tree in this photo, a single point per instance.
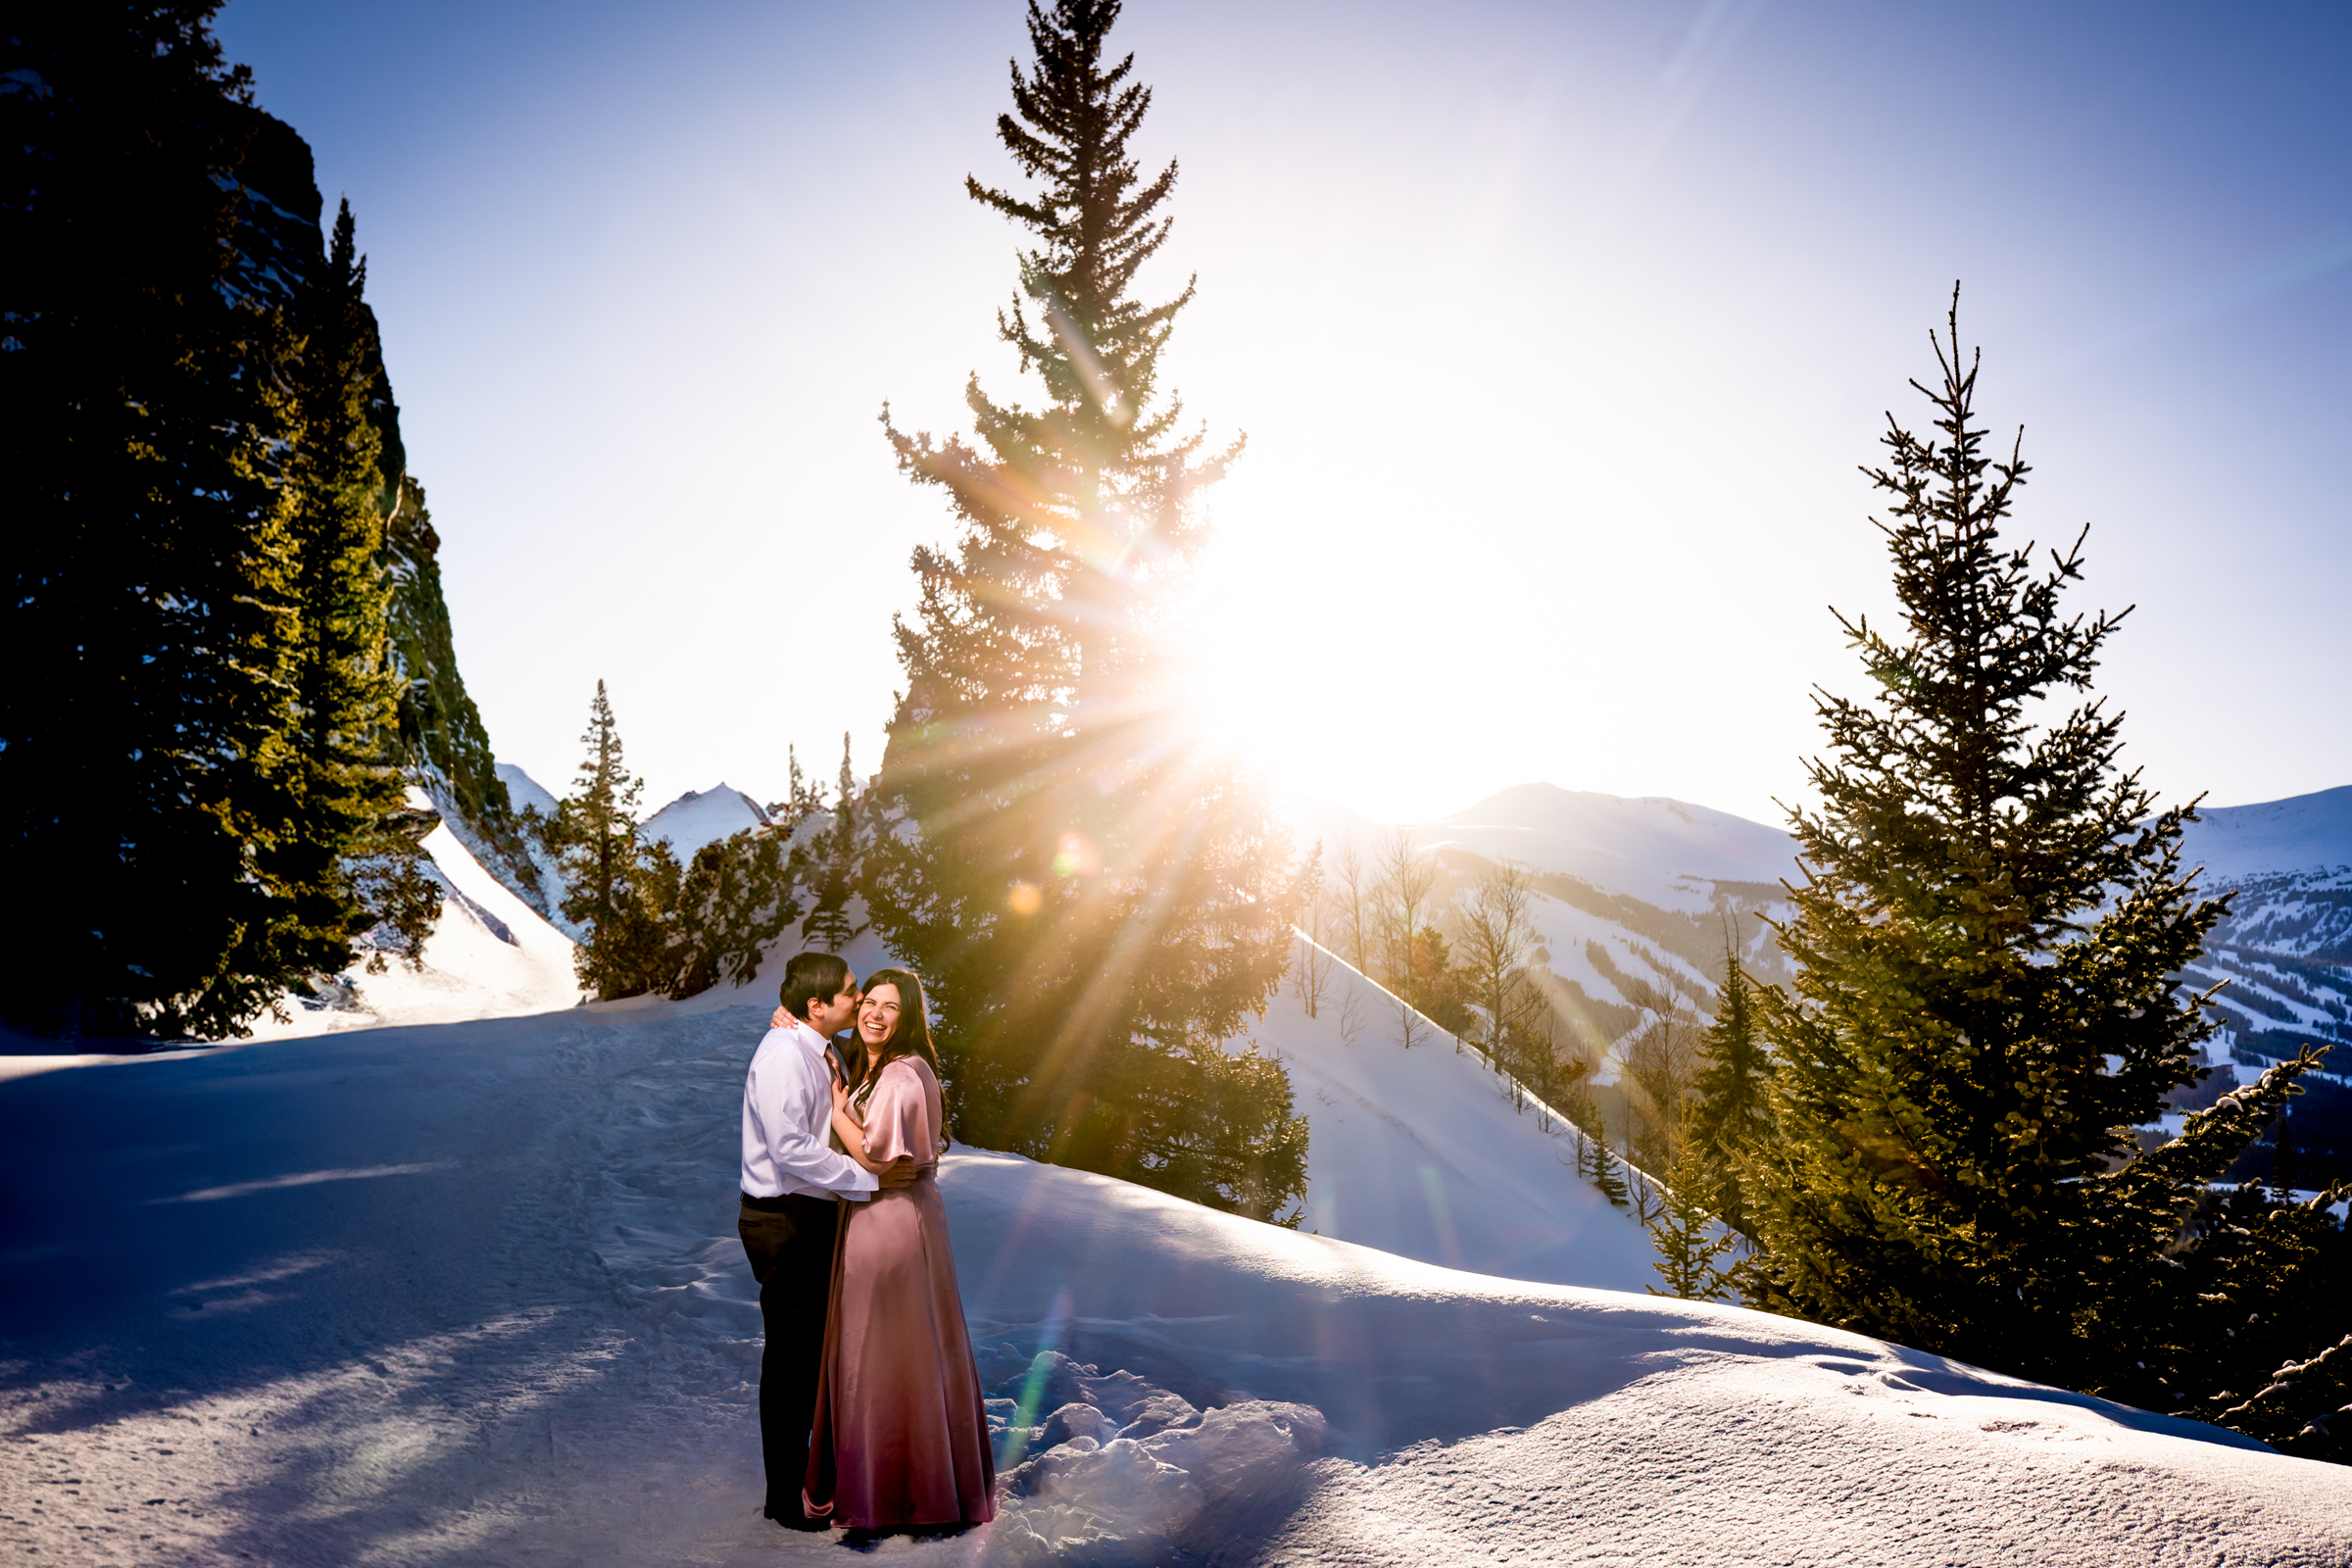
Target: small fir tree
pixel 735 898
pixel 1992 917
pixel 1690 1240
pixel 1096 900
pixel 1594 1159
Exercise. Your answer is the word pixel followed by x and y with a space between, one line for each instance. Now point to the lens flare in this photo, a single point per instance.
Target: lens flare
pixel 1074 856
pixel 1025 899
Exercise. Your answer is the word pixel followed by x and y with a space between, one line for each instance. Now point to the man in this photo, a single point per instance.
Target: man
pixel 793 1184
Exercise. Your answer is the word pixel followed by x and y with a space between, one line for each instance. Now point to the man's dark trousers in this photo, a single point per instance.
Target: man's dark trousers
pixel 790 1243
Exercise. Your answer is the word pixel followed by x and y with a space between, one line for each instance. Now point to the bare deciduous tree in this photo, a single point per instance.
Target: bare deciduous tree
pixel 1497 934
pixel 1352 1012
pixel 1404 880
pixel 1661 1064
pixel 1310 977
pixel 1310 981
pixel 1354 928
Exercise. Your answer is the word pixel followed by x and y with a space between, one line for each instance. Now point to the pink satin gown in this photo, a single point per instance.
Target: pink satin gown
pixel 901 1435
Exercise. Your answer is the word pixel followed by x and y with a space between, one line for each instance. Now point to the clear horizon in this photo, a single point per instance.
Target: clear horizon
pixel 1558 334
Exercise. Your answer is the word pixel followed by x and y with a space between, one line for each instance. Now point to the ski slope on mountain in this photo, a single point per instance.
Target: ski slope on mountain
pixel 469 1293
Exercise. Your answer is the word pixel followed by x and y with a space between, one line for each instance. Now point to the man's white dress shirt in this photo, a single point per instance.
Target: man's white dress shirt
pixel 786 1110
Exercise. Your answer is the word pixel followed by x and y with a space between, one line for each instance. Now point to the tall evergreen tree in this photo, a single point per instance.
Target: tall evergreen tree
pixel 1730 1115
pixel 148 616
pixel 1992 913
pixel 620 887
pixel 1094 901
pixel 342 861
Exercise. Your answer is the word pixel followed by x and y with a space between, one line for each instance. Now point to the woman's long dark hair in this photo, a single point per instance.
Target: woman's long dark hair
pixel 911 1035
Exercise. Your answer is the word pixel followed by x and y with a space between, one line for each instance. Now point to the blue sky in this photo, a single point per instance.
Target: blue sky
pixel 1557 332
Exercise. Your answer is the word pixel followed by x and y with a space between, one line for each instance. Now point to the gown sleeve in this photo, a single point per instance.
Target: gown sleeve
pixel 898 1118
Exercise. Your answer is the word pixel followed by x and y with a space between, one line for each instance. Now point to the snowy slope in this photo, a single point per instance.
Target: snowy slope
pixel 1420 1152
pixel 470 1295
pixel 490 956
pixel 525 791
pixel 702 817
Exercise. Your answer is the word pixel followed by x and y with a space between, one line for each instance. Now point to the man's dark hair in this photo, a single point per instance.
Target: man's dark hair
pixel 812 977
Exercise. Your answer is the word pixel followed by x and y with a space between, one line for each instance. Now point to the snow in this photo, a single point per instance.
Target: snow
pixel 1664 852
pixel 2301 833
pixel 524 791
pixel 489 956
pixel 1660 850
pixel 469 1293
pixel 1419 1153
pixel 702 817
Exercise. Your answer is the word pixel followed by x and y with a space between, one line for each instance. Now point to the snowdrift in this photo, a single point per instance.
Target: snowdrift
pixel 469 1293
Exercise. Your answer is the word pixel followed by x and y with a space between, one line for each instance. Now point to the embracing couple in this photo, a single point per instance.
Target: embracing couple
pixel 871 1412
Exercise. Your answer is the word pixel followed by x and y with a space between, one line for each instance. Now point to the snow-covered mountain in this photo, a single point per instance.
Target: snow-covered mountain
pixel 2301 833
pixel 1635 897
pixel 527 792
pixel 703 817
pixel 2285 952
pixel 1666 852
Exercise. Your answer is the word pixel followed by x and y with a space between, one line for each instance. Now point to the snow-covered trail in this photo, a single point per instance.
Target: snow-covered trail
pixel 470 1295
pixel 369 1298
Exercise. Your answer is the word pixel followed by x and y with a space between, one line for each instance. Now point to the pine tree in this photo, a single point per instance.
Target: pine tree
pixel 1689 1239
pixel 835 855
pixel 735 899
pixel 621 888
pixel 1096 903
pixel 1594 1160
pixel 1729 1117
pixel 1984 1008
pixel 148 617
pixel 343 862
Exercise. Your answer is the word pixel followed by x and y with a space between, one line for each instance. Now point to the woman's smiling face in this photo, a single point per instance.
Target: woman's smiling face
pixel 878 1013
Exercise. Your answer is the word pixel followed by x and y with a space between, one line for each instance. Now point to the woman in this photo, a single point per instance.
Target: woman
pixel 900 1435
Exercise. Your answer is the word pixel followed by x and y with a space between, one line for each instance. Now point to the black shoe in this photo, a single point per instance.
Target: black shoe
pixel 796 1520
